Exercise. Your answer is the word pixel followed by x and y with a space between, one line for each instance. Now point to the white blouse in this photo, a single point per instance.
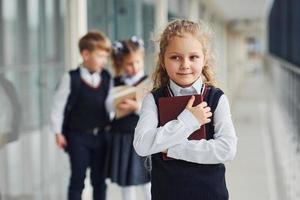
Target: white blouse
pixel 150 139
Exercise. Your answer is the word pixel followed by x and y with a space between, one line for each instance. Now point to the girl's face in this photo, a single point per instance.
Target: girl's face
pixel 184 59
pixel 133 63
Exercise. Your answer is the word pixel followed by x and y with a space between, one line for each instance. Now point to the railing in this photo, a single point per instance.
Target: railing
pixel 285 78
pixel 287 86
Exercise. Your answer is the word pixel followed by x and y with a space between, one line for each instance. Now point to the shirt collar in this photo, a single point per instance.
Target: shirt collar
pixel 92 79
pixel 180 91
pixel 85 72
pixel 132 80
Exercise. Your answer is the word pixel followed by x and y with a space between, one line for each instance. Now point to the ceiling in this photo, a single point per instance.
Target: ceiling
pixel 232 10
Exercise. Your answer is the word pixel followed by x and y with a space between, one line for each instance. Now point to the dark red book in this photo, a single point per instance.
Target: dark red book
pixel 171 107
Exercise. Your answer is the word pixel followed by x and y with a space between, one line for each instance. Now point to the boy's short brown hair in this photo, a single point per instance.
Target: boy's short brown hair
pixel 94 40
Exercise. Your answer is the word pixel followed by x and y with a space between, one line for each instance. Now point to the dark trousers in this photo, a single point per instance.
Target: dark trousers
pixel 87 150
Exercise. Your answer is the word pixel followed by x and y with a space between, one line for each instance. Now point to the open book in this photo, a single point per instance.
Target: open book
pixel 138 92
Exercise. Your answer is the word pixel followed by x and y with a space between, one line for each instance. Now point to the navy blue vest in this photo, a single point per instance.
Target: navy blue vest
pixel 128 123
pixel 177 179
pixel 85 108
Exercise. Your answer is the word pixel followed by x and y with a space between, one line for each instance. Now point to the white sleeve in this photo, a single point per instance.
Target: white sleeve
pixel 150 139
pixel 218 150
pixel 59 103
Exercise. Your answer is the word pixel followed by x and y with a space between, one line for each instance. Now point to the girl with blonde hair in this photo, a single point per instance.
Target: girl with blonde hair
pixel 183 168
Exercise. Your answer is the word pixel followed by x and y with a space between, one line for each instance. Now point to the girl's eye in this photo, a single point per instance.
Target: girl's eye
pixel 175 57
pixel 194 57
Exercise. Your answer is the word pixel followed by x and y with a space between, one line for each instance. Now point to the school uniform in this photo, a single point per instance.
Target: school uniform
pixel 81 112
pixel 196 170
pixel 125 167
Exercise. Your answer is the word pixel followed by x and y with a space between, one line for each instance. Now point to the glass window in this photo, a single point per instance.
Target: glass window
pixel 31 64
pixel 123 18
pixel 33 58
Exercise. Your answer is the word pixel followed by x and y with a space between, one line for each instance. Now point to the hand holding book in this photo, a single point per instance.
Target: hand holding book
pixel 128 105
pixel 127 99
pixel 171 107
pixel 200 111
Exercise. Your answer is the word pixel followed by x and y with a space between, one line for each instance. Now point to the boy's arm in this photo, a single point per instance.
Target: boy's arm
pixel 59 103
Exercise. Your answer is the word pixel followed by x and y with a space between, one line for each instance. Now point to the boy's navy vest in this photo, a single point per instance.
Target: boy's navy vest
pixel 128 123
pixel 177 179
pixel 85 109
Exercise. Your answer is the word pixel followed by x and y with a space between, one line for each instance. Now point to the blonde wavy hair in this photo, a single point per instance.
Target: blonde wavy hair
pixel 180 27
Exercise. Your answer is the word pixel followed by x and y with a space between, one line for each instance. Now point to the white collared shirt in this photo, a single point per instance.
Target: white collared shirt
pixel 193 89
pixel 62 94
pixel 93 79
pixel 133 79
pixel 150 139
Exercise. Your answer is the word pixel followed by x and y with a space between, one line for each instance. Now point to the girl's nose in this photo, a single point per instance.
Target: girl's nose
pixel 185 64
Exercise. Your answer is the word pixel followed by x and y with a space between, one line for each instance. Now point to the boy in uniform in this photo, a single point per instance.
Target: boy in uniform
pixel 81 112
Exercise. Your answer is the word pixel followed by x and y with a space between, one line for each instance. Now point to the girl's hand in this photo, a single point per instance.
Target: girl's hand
pixel 201 111
pixel 128 105
pixel 60 140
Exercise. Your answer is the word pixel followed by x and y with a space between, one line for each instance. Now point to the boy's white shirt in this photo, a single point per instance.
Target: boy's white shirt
pixel 150 139
pixel 63 91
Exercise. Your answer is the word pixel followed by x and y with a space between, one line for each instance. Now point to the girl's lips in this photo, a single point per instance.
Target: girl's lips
pixel 184 74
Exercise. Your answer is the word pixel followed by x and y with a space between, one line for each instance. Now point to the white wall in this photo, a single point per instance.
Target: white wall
pixel 76 27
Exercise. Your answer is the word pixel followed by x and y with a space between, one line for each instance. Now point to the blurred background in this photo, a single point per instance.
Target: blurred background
pixel 257 44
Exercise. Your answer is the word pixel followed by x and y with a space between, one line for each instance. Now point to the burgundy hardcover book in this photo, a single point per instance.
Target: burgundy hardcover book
pixel 171 107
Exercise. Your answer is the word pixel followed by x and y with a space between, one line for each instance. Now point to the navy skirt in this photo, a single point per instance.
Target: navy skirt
pixel 124 166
